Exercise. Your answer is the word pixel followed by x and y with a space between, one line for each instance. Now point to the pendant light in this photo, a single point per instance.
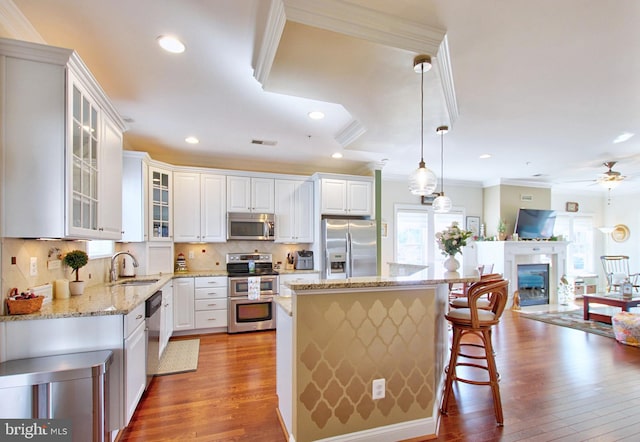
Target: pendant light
pixel 422 181
pixel 442 204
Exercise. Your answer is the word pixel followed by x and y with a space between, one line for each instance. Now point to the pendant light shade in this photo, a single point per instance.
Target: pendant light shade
pixel 422 181
pixel 442 204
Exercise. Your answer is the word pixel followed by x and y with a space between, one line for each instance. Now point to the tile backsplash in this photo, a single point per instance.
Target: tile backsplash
pixel 205 257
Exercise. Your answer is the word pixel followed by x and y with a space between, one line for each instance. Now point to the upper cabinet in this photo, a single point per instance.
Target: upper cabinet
pixel 294 211
pixel 200 207
pixel 160 204
pixel 62 144
pixel 250 194
pixel 353 196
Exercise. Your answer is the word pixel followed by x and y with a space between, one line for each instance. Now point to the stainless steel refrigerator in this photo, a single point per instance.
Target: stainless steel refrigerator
pixel 349 248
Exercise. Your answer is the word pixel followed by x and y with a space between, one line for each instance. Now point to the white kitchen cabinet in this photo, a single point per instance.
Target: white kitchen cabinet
pixel 352 197
pixel 62 146
pixel 250 194
pixel 135 360
pixel 183 304
pixel 211 302
pixel 294 211
pixel 135 192
pixel 160 204
pixel 200 204
pixel 166 316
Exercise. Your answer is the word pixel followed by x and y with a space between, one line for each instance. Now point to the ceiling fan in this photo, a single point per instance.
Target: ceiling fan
pixel 611 178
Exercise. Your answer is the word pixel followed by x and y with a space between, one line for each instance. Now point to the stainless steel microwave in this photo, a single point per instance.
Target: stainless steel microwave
pixel 250 226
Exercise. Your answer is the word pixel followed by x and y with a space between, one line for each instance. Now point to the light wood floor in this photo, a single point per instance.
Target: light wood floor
pixel 556 383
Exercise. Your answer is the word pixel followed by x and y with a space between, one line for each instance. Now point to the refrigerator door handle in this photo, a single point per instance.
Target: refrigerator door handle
pixel 349 263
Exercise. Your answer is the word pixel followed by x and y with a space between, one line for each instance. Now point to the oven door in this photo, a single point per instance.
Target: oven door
pixel 239 286
pixel 246 315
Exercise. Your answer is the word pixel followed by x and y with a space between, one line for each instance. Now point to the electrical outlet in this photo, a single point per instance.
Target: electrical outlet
pixel 33 266
pixel 378 389
pixel 191 254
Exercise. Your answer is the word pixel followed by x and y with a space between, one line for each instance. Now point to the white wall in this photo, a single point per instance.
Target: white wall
pixel 394 191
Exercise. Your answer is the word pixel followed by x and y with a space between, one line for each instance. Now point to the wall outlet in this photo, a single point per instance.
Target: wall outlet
pixel 191 254
pixel 33 266
pixel 378 389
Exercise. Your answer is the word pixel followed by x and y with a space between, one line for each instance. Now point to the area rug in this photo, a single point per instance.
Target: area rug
pixel 572 319
pixel 179 357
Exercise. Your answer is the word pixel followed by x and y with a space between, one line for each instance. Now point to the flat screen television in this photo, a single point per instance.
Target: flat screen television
pixel 535 223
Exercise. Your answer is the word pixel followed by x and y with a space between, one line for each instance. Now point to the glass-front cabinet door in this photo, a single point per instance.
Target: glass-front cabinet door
pixel 161 216
pixel 84 162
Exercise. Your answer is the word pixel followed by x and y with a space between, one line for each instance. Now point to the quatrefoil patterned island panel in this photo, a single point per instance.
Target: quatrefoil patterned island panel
pixel 345 341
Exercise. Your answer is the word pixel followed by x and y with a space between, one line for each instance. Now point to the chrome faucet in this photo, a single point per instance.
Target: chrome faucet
pixel 113 273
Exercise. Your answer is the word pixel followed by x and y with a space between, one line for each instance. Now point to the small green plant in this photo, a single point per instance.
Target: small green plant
pixel 76 259
pixel 502 226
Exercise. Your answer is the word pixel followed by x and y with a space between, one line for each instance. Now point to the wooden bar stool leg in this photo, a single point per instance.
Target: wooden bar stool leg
pixel 493 377
pixel 451 370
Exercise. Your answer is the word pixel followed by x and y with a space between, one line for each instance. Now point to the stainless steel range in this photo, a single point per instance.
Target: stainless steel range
pixel 248 270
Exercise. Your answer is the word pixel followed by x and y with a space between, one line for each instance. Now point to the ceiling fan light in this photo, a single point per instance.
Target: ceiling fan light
pixel 422 181
pixel 609 184
pixel 442 204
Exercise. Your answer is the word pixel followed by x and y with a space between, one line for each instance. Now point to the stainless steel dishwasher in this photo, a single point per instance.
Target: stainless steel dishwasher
pixel 152 313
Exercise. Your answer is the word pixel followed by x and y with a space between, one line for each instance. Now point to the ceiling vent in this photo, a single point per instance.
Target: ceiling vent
pixel 264 142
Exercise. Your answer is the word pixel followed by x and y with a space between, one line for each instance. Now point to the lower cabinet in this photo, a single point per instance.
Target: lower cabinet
pixel 283 290
pixel 211 302
pixel 135 360
pixel 183 304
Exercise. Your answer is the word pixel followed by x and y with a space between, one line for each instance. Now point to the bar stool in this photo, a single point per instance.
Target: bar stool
pixel 463 302
pixel 477 321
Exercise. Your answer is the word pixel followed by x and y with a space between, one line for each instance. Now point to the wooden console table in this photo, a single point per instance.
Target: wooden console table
pixel 614 300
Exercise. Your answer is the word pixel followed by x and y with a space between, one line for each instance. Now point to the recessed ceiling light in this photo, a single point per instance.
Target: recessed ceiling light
pixel 171 44
pixel 484 156
pixel 192 140
pixel 623 137
pixel 316 115
pixel 337 155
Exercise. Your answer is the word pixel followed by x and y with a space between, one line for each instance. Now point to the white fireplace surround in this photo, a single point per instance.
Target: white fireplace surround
pixel 506 255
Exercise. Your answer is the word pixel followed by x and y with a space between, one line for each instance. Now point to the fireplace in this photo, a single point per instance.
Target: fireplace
pixel 509 255
pixel 533 284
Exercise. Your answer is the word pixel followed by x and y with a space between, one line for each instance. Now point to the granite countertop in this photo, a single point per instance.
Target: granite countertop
pixel 98 300
pixel 285 304
pixel 424 277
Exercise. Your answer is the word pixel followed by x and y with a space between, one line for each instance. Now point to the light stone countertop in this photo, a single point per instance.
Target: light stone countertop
pixel 285 304
pixel 424 277
pixel 107 299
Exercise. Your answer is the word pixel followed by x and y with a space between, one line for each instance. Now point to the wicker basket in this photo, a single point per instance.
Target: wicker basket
pixel 24 306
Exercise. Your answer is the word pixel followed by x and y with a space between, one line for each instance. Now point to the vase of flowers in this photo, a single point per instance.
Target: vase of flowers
pixel 451 241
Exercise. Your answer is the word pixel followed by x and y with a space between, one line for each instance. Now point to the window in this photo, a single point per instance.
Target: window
pixel 578 230
pixel 100 249
pixel 416 226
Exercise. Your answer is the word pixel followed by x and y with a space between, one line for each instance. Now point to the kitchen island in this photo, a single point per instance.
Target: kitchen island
pixel 335 337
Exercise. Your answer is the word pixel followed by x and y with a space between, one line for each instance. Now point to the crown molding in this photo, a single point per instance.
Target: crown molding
pixel 274 27
pixel 350 133
pixel 14 24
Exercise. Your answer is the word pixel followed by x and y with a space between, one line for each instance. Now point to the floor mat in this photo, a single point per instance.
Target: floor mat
pixel 572 319
pixel 179 357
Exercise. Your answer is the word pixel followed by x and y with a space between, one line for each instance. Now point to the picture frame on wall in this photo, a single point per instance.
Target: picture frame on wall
pixel 473 225
pixel 428 200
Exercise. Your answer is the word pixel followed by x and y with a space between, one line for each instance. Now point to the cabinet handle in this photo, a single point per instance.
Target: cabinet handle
pixel 139 317
pixel 211 305
pixel 211 319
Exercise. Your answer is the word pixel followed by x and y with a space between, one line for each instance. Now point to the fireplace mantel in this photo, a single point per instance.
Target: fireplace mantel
pixel 506 255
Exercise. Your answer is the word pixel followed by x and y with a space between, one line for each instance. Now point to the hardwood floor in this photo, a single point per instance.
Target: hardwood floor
pixel 556 383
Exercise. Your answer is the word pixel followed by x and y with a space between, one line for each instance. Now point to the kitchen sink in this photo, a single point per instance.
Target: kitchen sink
pixel 138 282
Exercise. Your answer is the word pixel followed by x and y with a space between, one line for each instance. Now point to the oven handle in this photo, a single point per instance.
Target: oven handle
pixel 263 298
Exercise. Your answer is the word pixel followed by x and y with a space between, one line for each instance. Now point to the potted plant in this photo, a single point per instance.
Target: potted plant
pixel 76 259
pixel 502 230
